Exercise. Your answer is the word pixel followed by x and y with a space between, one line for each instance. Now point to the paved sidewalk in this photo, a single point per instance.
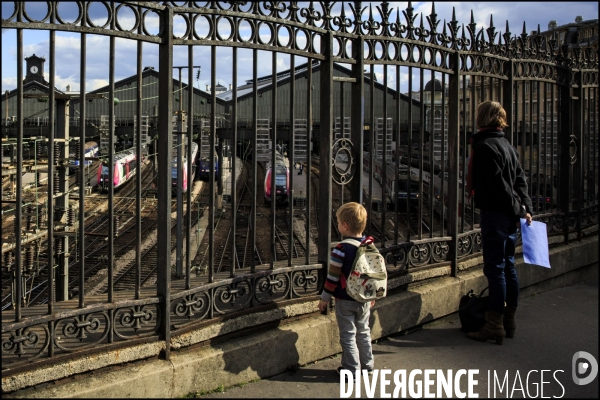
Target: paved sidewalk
pixel 552 327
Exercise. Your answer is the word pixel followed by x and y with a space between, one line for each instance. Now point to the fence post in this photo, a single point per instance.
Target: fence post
pixel 565 141
pixel 453 158
pixel 577 110
pixel 325 150
pixel 357 119
pixel 164 147
pixel 507 100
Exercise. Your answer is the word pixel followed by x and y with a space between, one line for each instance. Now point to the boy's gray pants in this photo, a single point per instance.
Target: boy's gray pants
pixel 355 334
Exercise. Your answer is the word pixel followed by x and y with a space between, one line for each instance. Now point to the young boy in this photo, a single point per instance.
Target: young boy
pixel 352 316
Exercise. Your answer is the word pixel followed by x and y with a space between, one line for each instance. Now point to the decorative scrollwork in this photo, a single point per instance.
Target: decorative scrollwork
pixel 237 295
pixel 192 304
pixel 305 282
pixel 272 287
pixel 135 318
pixel 22 340
pixel 343 162
pixel 75 331
pixel 420 254
pixel 464 245
pixel 440 251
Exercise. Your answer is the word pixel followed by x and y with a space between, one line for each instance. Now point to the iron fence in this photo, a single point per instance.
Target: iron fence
pixel 416 201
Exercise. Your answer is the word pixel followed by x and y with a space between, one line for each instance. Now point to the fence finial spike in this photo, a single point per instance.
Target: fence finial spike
pixel 524 29
pixel 507 30
pixel 491 21
pixel 538 29
pixel 453 15
pixel 433 8
pixel 472 18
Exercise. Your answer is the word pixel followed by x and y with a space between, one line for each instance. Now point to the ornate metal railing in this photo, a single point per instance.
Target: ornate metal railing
pixel 456 66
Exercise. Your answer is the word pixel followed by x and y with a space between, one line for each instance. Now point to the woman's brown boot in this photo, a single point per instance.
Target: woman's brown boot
pixel 492 329
pixel 510 324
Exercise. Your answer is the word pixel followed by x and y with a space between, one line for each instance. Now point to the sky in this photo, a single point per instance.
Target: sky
pixel 68 44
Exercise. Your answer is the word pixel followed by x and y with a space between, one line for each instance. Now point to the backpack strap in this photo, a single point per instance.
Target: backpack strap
pixel 353 242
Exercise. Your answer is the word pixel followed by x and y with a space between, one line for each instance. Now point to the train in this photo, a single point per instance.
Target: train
pixel 184 169
pixel 408 178
pixel 91 150
pixel 124 167
pixel 282 180
pixel 204 167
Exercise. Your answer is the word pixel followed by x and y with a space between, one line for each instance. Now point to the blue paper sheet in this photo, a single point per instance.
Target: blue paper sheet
pixel 535 243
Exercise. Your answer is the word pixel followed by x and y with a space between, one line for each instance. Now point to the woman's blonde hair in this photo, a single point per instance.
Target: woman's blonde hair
pixel 491 114
pixel 355 215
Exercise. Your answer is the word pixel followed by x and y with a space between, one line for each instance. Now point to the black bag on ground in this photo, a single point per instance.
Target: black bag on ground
pixel 471 311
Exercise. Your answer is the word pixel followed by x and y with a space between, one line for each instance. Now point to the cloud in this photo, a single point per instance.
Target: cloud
pixel 97 71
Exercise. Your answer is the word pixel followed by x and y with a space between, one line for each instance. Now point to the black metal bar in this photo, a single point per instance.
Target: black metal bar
pixel 51 123
pixel 325 150
pixel 254 154
pixel 553 130
pixel 179 166
pixel 431 146
pixel 372 145
pixel 384 161
pixel 444 150
pixel 409 152
pixel 421 163
pixel 357 119
pixel 465 146
pixel 309 129
pixel 164 148
pixel 111 167
pixel 453 154
pixel 234 164
pixel 139 167
pixel 578 131
pixel 273 157
pixel 397 161
pixel 565 163
pixel 292 134
pixel 211 180
pixel 82 141
pixel 530 160
pixel 190 165
pixel 19 192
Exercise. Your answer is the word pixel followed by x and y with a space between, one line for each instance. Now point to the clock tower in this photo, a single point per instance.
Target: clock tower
pixel 35 69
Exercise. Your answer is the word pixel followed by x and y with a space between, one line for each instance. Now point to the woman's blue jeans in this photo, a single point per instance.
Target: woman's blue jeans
pixel 499 237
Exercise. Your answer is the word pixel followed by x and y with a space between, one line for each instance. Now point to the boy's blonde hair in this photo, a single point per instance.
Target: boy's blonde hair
pixel 491 114
pixel 355 215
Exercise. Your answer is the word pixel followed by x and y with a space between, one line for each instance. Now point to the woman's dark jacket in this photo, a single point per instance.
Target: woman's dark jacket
pixel 498 180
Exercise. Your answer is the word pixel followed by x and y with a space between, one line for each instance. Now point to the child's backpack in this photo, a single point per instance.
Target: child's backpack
pixel 368 277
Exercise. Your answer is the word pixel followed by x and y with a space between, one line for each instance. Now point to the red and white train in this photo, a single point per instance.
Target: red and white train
pixel 282 181
pixel 124 165
pixel 184 169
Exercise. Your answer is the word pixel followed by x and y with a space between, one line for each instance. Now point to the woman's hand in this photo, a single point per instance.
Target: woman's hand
pixel 528 219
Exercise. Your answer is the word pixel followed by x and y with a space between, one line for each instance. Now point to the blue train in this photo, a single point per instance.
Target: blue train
pixel 91 150
pixel 204 167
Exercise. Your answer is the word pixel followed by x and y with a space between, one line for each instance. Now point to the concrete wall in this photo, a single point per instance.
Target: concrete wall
pixel 297 334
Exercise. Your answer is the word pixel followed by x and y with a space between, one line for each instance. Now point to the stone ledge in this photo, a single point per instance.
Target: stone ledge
pixel 298 342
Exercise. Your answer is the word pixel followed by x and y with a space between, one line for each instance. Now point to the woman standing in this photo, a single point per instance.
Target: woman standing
pixel 497 182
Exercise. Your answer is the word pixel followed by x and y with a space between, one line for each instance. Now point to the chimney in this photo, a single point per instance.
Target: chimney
pixel 207 88
pixel 552 24
pixel 68 88
pixel 579 19
pixel 230 86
